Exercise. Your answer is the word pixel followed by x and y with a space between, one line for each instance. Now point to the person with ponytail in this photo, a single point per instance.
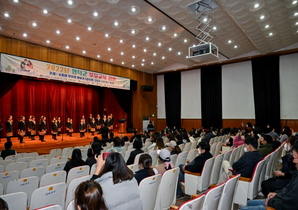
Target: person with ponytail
pixel 89 196
pixel 145 166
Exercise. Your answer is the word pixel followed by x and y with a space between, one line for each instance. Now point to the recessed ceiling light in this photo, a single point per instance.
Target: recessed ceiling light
pixel 235 46
pixel 262 17
pixel 106 35
pixel 48 41
pixel 179 53
pixel 67 47
pixel 69 20
pixel 16 1
pixel 147 38
pixel 25 35
pixel 84 51
pixel 230 41
pixel 145 50
pixel 98 56
pixel 205 19
pixel 132 65
pixel 109 49
pixel 133 57
pixel 133 10
pixel 163 57
pixel 70 2
pixel 116 23
pixel 142 64
pixel 159 44
pixel 175 34
pixel 89 28
pixel 45 11
pixel 6 14
pixel 34 24
pixel 186 56
pixel 163 28
pixel 122 53
pixel 133 31
pixel 214 28
pixel 78 38
pixel 266 26
pixel 185 40
pixel 152 63
pixel 95 14
pixel 256 5
pixel 143 60
pixel 270 34
pixel 294 2
pixel 133 46
pixel 149 19
pixel 122 62
pixel 57 32
pixel 121 40
pixel 296 23
pixel 193 45
pixel 296 14
pixel 170 49
pixel 154 54
pixel 111 59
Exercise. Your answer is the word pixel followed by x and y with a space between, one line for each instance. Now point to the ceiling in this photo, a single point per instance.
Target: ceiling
pixel 271 26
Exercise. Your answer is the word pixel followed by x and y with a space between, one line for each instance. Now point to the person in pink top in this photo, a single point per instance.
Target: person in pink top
pixel 239 139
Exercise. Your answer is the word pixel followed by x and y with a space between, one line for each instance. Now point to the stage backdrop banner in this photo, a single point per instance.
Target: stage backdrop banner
pixel 34 68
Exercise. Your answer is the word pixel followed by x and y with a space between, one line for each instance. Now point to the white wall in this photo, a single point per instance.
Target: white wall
pixel 191 94
pixel 237 91
pixel 288 70
pixel 161 110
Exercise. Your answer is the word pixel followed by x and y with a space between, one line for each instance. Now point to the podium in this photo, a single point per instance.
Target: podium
pixel 122 128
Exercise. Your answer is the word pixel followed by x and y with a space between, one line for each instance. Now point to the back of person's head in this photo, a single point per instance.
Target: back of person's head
pixel 164 156
pixel 125 138
pixel 96 147
pixel 249 125
pixel 292 140
pixel 111 135
pixel 160 143
pixel 8 145
pixel 76 155
pixel 89 196
pixel 233 131
pixel 251 141
pixel 116 164
pixel 204 145
pixel 3 205
pixel 104 136
pixel 95 139
pixel 89 153
pixel 117 142
pixel 146 161
pixel 137 144
pixel 287 130
pixel 268 139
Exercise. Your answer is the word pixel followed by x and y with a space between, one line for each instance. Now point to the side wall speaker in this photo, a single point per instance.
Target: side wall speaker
pixel 133 84
pixel 147 88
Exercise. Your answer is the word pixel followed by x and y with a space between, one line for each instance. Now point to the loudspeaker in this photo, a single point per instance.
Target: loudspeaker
pixel 133 84
pixel 147 88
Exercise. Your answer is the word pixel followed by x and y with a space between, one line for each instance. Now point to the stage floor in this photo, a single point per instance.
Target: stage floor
pixel 45 147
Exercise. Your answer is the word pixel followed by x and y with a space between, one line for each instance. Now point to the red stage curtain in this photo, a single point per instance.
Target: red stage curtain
pixel 52 99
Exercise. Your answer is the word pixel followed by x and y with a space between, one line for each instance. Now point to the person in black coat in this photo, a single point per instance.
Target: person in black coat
pixel 54 129
pixel 42 128
pixel 195 166
pixel 70 126
pixel 137 144
pixel 75 161
pixel 21 129
pixel 32 127
pixel 59 124
pixel 145 166
pixel 82 128
pixel 96 150
pixel 9 128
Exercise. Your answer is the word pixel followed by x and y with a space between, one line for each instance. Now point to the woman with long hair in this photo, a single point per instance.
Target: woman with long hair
pixel 119 186
pixel 145 166
pixel 75 161
pixel 88 196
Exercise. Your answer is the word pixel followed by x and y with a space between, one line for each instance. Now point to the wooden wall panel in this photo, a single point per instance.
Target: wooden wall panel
pixel 236 122
pixel 144 103
pixel 188 124
pixel 291 123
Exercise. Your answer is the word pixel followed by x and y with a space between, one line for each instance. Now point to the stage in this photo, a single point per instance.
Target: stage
pixel 45 147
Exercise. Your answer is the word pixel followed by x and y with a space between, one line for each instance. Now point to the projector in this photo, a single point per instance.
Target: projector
pixel 203 52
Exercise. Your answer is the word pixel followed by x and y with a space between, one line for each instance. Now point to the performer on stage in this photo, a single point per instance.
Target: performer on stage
pixel 59 123
pixel 9 128
pixel 104 120
pixel 82 128
pixel 29 120
pixel 98 123
pixel 89 123
pixel 21 129
pixel 92 126
pixel 67 126
pixel 110 122
pixel 54 129
pixel 42 128
pixel 32 128
pixel 70 127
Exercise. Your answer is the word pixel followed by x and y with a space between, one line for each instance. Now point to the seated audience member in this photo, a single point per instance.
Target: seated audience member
pixel 275 143
pixel 75 161
pixel 8 151
pixel 117 145
pixel 190 136
pixel 120 188
pixel 134 136
pixel 145 166
pixel 286 133
pixel 173 148
pixel 95 150
pixel 111 139
pixel 281 199
pixel 137 144
pixel 207 136
pixel 158 145
pixel 284 175
pixel 266 146
pixel 185 138
pixel 195 166
pixel 230 140
pixel 164 162
pixel 88 196
pixel 239 139
pixel 246 163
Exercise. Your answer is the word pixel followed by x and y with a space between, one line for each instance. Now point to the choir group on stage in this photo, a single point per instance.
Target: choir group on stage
pixel 92 125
